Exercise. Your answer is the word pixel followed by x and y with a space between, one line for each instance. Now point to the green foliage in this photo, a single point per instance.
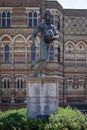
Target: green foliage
pixel 17 120
pixel 13 120
pixel 64 119
pixel 36 124
pixel 67 119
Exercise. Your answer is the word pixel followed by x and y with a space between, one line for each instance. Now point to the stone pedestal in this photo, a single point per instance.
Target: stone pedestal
pixel 42 96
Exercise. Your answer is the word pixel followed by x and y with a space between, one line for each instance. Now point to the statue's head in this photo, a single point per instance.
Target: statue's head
pixel 48 14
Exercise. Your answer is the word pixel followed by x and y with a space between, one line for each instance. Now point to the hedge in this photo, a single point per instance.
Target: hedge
pixel 64 119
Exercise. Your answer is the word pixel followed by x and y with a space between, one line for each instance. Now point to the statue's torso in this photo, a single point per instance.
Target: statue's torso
pixel 43 27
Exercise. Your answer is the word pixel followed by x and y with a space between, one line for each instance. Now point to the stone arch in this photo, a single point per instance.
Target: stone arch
pixel 69 45
pixel 17 76
pixel 57 50
pixel 7 36
pixel 19 47
pixel 81 45
pixel 81 78
pixel 3 76
pixel 5 39
pixel 20 36
pixel 81 52
pixel 57 44
pixel 69 77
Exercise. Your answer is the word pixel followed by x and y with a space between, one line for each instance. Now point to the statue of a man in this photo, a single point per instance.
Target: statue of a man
pixel 48 35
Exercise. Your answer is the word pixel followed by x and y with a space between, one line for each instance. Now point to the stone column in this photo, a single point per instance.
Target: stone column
pixel 42 96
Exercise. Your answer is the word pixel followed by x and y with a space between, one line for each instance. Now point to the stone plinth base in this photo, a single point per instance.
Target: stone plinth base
pixel 42 96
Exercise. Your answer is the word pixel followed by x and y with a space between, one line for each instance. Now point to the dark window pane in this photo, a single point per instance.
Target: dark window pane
pixel 30 22
pixel 18 83
pixel 59 54
pixel 5 100
pixel 51 56
pixel 6 51
pixel 8 22
pixel 33 48
pixel 33 53
pixel 3 15
pixel 6 56
pixel 7 83
pixel 21 83
pixel 35 22
pixel 51 53
pixel 33 56
pixel 30 15
pixel 19 100
pixel 8 15
pixel 35 15
pixel 58 20
pixel 6 48
pixel 4 83
pixel 35 19
pixel 3 23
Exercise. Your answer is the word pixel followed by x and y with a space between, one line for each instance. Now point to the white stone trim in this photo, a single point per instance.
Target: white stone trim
pixel 6 9
pixel 32 9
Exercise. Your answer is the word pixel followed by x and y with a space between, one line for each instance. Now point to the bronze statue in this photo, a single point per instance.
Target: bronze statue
pixel 48 35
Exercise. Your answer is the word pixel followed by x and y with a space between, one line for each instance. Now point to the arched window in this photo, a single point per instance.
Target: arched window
pixel 6 19
pixel 58 21
pixel 51 53
pixel 3 19
pixel 70 85
pixel 30 19
pixel 59 54
pixel 80 85
pixel 19 83
pixel 33 53
pixel 35 19
pixel 6 83
pixel 6 53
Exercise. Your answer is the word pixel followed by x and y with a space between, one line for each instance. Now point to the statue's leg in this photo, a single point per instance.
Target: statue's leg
pixel 41 64
pixel 32 65
pixel 41 60
pixel 35 62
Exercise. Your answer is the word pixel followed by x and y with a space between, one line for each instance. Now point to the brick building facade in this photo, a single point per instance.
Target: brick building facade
pixel 67 57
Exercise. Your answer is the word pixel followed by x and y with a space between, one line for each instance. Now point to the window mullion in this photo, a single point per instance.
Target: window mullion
pixel 6 20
